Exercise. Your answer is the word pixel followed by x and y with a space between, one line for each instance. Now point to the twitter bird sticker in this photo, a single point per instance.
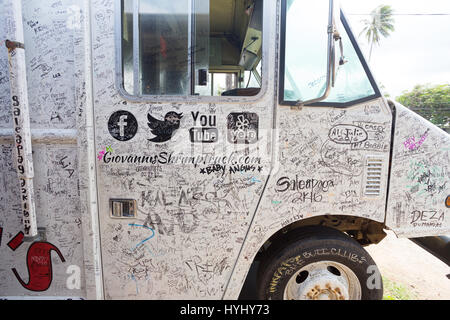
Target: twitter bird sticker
pixel 164 129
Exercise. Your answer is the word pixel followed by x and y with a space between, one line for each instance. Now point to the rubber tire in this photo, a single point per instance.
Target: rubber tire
pixel 299 250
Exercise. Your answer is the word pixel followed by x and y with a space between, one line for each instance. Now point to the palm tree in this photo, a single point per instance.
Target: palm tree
pixel 380 23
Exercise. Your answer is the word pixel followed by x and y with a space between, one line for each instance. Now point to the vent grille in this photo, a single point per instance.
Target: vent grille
pixel 374 171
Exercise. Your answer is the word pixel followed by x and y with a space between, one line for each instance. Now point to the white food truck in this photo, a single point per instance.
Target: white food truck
pixel 154 149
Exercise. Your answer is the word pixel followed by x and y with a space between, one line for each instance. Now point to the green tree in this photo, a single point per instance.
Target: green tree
pixel 431 102
pixel 380 23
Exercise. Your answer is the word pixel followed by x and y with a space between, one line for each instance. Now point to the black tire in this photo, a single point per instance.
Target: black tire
pixel 316 244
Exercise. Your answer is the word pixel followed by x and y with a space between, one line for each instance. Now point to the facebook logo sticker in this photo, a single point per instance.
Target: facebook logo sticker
pixel 122 125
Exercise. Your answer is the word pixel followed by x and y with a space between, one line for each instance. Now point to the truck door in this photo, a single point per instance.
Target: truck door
pixel 332 154
pixel 183 119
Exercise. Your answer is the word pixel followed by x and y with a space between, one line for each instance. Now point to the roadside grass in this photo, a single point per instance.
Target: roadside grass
pixel 396 291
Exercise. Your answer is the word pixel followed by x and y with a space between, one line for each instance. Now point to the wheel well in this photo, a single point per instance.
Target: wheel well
pixel 363 230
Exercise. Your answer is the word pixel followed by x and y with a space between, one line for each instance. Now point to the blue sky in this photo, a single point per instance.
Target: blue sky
pixel 417 52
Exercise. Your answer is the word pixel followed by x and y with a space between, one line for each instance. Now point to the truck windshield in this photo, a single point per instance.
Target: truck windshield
pixel 304 49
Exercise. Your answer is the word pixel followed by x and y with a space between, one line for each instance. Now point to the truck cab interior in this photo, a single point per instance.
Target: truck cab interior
pixel 235 45
pixel 198 47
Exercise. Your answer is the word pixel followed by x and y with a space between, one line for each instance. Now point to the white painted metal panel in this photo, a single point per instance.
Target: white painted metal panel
pixel 315 176
pixel 52 266
pixel 419 184
pixel 192 217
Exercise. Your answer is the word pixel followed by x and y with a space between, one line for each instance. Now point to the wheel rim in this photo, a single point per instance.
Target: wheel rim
pixel 324 280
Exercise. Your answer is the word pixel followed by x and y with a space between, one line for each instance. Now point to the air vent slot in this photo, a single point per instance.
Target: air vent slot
pixel 374 173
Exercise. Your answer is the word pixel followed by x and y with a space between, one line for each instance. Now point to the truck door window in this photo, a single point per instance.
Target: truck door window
pixel 304 55
pixel 190 47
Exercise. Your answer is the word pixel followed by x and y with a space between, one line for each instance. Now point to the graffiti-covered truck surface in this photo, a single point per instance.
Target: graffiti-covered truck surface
pixel 156 149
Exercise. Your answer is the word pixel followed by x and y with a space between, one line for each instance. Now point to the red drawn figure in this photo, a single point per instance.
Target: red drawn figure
pixel 39 266
pixel 16 241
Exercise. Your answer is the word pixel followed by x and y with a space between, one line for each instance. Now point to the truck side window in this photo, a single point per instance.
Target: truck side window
pixel 191 47
pixel 304 56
